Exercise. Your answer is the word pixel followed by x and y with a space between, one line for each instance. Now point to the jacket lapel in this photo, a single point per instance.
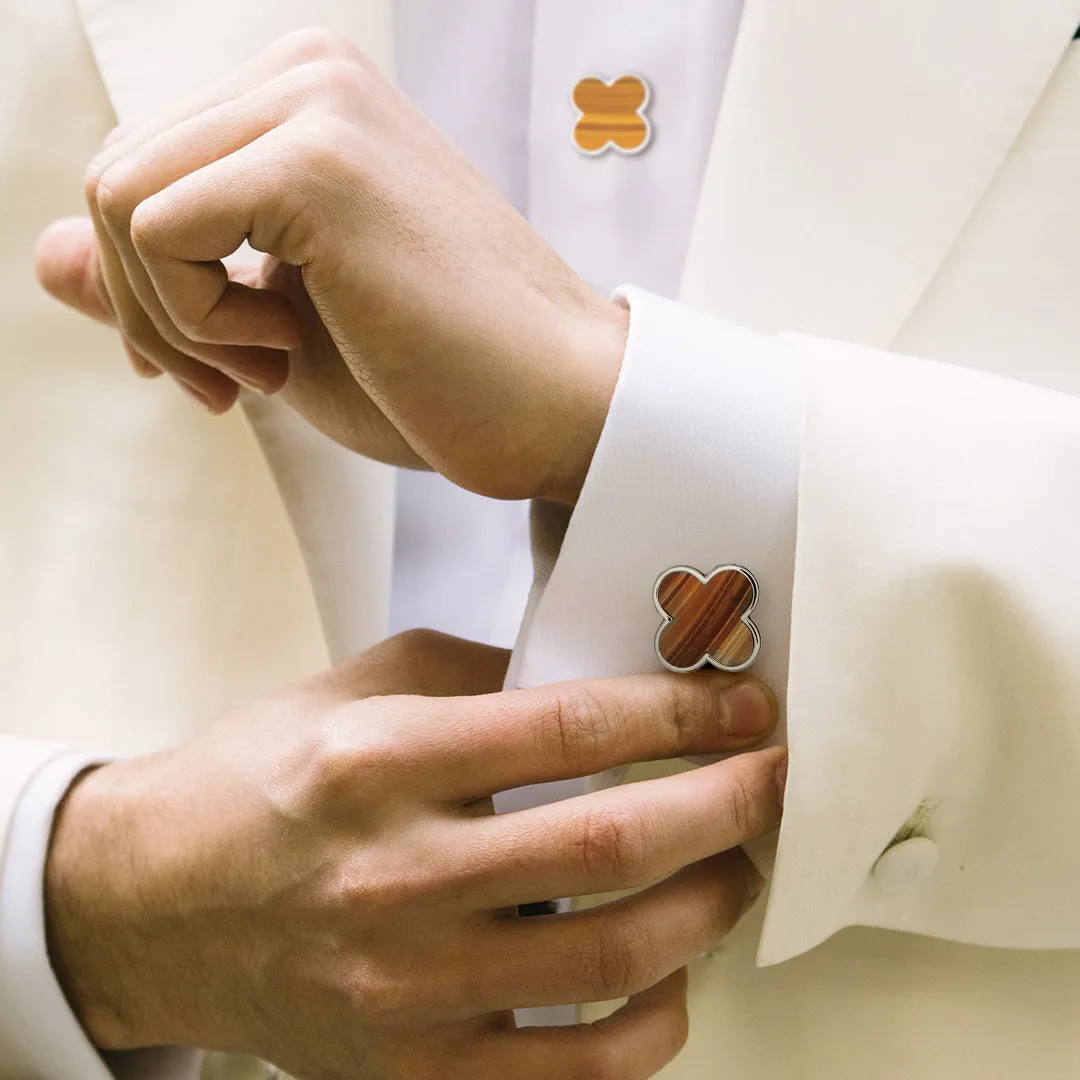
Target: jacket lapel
pixel 855 138
pixel 151 51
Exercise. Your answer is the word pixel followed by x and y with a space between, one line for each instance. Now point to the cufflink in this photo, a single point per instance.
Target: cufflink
pixel 612 115
pixel 706 618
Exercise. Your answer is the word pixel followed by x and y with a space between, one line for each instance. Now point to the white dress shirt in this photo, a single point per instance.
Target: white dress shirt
pixel 497 78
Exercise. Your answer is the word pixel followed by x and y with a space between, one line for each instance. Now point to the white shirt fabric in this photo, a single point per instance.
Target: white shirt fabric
pixel 497 78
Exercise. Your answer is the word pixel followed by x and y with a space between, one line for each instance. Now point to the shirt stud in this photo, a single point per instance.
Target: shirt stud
pixel 611 115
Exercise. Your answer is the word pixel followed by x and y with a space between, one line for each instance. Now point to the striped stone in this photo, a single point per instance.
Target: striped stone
pixel 612 114
pixel 707 618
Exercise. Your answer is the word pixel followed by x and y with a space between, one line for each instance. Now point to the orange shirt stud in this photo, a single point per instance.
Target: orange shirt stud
pixel 612 115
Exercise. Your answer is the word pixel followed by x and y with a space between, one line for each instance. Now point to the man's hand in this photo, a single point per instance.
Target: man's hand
pixel 406 307
pixel 319 880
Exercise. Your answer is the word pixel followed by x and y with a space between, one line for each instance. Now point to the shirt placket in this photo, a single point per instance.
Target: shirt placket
pixel 613 216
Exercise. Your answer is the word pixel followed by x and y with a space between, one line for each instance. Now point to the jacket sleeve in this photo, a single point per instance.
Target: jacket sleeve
pixel 914 527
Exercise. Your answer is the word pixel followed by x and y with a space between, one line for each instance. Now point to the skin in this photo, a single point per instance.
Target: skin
pixel 405 308
pixel 319 879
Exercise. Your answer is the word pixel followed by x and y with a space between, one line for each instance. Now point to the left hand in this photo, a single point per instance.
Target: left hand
pixel 318 880
pixel 405 307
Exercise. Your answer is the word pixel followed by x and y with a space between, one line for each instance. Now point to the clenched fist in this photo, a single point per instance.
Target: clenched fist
pixel 405 307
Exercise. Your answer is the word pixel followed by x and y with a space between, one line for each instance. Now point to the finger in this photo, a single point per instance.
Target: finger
pixel 142 366
pixel 617 949
pixel 622 837
pixel 145 323
pixel 306 46
pixel 113 191
pixel 68 267
pixel 189 151
pixel 260 193
pixel 214 390
pixel 564 730
pixel 263 371
pixel 631 1044
pixel 144 159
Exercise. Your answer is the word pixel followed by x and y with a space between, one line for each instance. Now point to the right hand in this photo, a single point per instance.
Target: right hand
pixel 407 308
pixel 318 880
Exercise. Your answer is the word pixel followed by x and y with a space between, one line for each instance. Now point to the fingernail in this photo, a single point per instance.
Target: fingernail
pixel 196 395
pixel 755 882
pixel 781 778
pixel 255 384
pixel 139 363
pixel 749 711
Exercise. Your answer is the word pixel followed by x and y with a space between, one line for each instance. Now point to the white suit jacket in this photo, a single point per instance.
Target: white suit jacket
pixel 887 181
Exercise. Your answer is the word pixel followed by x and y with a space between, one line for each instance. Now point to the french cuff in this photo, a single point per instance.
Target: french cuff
pixel 37 1027
pixel 697 465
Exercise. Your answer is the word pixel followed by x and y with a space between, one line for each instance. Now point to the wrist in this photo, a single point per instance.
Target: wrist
pixel 599 344
pixel 91 912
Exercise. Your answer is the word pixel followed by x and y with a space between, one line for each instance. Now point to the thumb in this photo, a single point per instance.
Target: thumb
pixel 68 267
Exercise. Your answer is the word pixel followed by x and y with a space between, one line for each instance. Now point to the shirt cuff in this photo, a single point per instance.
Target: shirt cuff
pixel 697 465
pixel 38 1030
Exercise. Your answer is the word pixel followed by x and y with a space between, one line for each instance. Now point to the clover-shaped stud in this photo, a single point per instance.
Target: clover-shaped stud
pixel 706 618
pixel 612 115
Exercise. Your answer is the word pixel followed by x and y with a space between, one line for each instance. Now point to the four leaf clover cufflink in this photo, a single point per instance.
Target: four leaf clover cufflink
pixel 706 618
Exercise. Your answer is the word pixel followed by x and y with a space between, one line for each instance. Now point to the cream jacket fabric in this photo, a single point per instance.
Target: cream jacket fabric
pixel 151 577
pixel 892 176
pixel 896 177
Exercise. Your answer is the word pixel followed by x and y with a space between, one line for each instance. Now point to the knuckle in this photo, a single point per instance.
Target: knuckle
pixel 103 163
pixel 115 194
pixel 324 145
pixel 606 1058
pixel 619 965
pixel 382 888
pixel 579 723
pixel 684 707
pixel 92 179
pixel 384 998
pixel 612 844
pixel 412 645
pixel 395 991
pixel 744 808
pixel 357 890
pixel 351 754
pixel 196 331
pixel 118 133
pixel 459 991
pixel 343 79
pixel 146 224
pixel 694 709
pixel 326 772
pixel 313 43
pixel 601 1062
pixel 144 338
pixel 678 1030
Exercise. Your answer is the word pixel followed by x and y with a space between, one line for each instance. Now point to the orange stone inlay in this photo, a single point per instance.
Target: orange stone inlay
pixel 708 619
pixel 611 114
